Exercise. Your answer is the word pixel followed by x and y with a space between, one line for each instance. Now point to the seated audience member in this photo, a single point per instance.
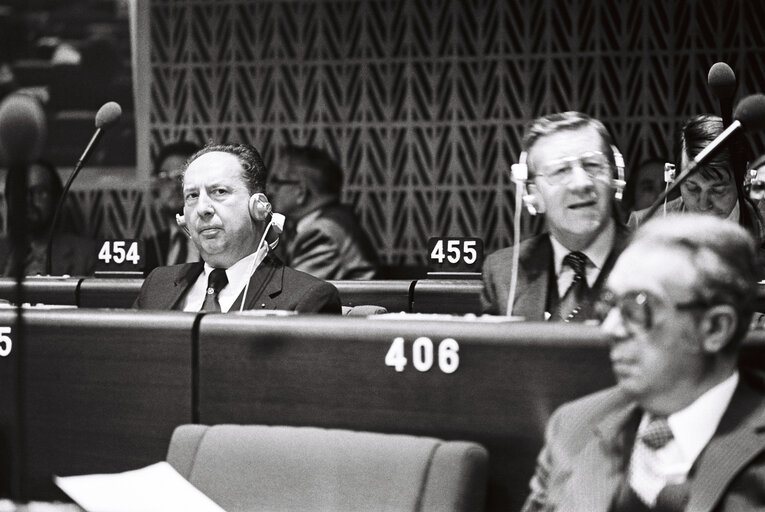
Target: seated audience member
pixel 571 166
pixel 684 428
pixel 171 245
pixel 645 183
pixel 323 237
pixel 72 254
pixel 712 188
pixel 225 212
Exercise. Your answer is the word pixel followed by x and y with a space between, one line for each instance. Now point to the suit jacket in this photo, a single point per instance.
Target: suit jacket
pixel 535 275
pixel 272 286
pixel 331 244
pixel 588 445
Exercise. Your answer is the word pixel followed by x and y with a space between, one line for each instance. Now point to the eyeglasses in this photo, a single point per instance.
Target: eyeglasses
pixel 559 172
pixel 164 176
pixel 637 307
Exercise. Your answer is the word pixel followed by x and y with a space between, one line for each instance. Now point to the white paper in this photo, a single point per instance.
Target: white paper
pixel 155 488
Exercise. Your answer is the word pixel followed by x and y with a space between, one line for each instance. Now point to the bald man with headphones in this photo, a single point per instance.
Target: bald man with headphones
pixel 229 220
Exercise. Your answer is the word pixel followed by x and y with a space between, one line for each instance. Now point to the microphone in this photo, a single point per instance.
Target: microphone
pixel 107 115
pixel 23 130
pixel 722 81
pixel 749 115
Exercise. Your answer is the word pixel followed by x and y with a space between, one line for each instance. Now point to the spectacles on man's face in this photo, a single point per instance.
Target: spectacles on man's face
pixel 559 172
pixel 167 176
pixel 637 307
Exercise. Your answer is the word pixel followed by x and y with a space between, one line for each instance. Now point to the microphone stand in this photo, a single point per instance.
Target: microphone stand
pixel 60 206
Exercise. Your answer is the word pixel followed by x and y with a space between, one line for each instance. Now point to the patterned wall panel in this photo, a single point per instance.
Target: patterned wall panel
pixel 424 102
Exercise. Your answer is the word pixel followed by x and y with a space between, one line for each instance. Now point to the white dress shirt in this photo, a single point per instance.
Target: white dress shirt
pixel 238 276
pixel 692 428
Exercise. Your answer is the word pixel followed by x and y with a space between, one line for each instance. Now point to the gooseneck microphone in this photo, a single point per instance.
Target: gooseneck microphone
pixel 22 137
pixel 107 115
pixel 722 82
pixel 749 115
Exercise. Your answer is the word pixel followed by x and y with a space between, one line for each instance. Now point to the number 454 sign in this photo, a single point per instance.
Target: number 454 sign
pixel 120 255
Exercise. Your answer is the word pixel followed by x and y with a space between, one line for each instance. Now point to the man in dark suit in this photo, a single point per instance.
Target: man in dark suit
pixel 571 169
pixel 684 428
pixel 324 237
pixel 170 245
pixel 228 217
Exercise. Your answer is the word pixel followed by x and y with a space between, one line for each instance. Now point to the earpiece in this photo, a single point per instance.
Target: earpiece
pixel 181 221
pixel 259 206
pixel 669 172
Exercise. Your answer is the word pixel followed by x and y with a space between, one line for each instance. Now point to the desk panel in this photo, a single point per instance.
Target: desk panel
pixel 98 292
pixel 394 295
pixel 332 373
pixel 42 290
pixel 457 297
pixel 103 391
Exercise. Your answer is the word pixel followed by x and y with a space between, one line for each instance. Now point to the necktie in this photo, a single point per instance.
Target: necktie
pixel 572 301
pixel 644 480
pixel 657 434
pixel 216 281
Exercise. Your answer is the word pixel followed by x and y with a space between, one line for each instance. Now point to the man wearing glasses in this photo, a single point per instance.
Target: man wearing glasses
pixel 683 429
pixel 322 236
pixel 571 171
pixel 170 245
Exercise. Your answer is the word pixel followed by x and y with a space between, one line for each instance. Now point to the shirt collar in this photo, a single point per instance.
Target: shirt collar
pixel 597 252
pixel 695 425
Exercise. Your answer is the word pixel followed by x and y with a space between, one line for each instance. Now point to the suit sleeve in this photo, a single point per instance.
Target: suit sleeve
pixel 322 297
pixel 316 253
pixel 488 293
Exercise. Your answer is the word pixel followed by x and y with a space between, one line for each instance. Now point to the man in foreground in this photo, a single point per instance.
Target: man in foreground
pixel 226 214
pixel 684 428
pixel 571 169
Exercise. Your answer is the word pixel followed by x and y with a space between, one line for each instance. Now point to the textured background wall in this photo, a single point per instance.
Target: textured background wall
pixel 424 102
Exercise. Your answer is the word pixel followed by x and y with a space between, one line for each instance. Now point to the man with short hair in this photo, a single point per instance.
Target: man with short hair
pixel 571 169
pixel 324 238
pixel 226 214
pixel 170 245
pixel 684 428
pixel 712 188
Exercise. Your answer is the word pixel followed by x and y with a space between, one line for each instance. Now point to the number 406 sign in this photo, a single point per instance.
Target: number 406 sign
pixel 422 355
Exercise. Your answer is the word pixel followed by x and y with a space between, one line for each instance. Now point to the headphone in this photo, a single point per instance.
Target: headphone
pixel 258 206
pixel 520 174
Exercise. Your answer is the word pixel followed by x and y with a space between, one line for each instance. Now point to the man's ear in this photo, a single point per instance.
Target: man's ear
pixel 539 202
pixel 717 328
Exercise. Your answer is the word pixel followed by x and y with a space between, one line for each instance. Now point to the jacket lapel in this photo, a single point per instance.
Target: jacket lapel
pixel 533 279
pixel 182 281
pixel 265 284
pixel 601 465
pixel 739 438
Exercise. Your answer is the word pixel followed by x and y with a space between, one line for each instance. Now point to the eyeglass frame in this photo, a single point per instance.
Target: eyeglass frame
pixel 642 298
pixel 603 173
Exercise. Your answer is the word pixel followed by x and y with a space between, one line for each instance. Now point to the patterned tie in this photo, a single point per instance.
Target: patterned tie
pixel 657 434
pixel 572 301
pixel 216 281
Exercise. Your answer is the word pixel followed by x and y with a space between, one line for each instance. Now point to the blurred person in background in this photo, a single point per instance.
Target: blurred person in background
pixel 322 236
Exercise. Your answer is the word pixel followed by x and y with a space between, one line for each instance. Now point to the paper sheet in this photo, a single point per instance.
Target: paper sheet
pixel 155 488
